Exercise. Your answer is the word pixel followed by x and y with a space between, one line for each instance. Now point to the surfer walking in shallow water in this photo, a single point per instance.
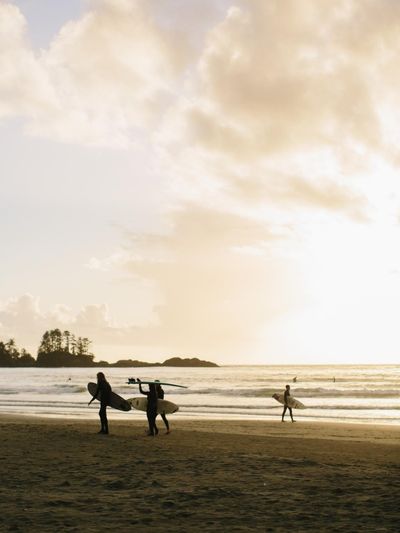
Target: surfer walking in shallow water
pixel 103 390
pixel 160 395
pixel 286 406
pixel 151 410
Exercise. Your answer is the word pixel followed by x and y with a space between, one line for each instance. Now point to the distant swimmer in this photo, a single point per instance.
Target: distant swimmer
pixel 286 406
pixel 104 391
pixel 295 379
pixel 151 410
pixel 160 395
pixel 334 379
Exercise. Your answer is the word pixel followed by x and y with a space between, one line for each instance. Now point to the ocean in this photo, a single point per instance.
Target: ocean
pixel 365 394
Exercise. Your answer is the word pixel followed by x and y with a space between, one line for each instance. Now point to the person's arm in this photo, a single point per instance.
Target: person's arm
pixel 140 388
pixel 95 395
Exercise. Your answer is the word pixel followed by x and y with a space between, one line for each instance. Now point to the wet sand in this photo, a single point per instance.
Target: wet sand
pixel 60 475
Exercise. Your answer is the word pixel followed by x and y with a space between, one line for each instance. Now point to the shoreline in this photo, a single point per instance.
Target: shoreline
pixel 126 418
pixel 206 475
pixel 269 428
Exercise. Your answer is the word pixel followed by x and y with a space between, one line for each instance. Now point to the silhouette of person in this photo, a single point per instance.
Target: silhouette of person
pixel 103 390
pixel 295 379
pixel 286 397
pixel 160 395
pixel 151 410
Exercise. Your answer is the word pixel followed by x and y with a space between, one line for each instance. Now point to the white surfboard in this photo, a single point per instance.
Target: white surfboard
pixel 292 402
pixel 163 406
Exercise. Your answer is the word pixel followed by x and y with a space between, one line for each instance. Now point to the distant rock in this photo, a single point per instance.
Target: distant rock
pixel 173 361
pixel 193 362
pixel 133 363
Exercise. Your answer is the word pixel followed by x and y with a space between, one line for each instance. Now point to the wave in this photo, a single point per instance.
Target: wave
pixel 237 392
pixel 28 404
pixel 59 389
pixel 373 380
pixel 354 407
pixel 276 406
pixel 320 393
pixel 52 389
pixel 346 393
pixel 230 407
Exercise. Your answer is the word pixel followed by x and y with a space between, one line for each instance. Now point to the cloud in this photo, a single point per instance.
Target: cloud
pixel 300 193
pixel 270 77
pixel 218 279
pixel 284 75
pixel 289 103
pixel 22 318
pixel 25 90
pixel 104 77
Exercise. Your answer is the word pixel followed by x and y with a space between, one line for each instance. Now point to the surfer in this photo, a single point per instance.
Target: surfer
pixel 151 410
pixel 286 406
pixel 104 391
pixel 160 395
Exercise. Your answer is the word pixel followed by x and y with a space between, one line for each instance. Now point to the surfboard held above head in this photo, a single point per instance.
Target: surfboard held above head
pixel 135 381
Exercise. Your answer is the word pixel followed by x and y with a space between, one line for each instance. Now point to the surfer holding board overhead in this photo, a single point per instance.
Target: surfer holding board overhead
pixel 151 410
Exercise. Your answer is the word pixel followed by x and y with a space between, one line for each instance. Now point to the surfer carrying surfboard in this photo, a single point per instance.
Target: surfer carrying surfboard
pixel 286 396
pixel 151 410
pixel 103 391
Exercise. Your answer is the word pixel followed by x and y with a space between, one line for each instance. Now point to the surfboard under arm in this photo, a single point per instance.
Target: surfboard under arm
pixel 292 402
pixel 117 402
pixel 134 381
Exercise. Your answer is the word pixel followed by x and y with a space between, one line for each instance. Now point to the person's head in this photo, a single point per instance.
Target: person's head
pixel 101 376
pixel 287 387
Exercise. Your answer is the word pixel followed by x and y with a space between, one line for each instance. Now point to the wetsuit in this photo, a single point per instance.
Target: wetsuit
pixel 151 410
pixel 104 391
pixel 286 395
pixel 160 394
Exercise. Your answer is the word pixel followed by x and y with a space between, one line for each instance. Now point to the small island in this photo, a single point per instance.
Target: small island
pixel 64 349
pixel 173 361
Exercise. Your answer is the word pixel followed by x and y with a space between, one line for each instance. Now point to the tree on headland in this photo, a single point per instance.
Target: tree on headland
pixel 11 356
pixel 25 359
pixel 64 349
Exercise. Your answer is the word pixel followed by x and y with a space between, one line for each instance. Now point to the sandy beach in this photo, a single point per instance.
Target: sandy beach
pixel 60 475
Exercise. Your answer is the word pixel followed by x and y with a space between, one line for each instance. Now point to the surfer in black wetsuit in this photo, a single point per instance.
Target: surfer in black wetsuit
pixel 286 396
pixel 104 392
pixel 151 410
pixel 160 395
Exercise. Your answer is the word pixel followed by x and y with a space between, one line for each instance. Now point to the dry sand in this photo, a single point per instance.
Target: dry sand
pixel 59 475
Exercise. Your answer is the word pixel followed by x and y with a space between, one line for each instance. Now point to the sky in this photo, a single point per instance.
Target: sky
pixel 202 178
